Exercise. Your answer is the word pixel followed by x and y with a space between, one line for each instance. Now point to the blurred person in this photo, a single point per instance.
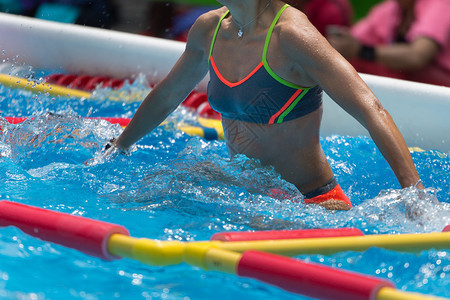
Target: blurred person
pixel 405 39
pixel 268 66
pixel 323 13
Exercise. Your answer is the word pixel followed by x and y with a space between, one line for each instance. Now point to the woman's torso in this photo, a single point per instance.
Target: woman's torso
pixel 292 146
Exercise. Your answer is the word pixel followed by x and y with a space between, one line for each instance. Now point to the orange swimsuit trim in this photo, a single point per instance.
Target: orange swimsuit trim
pixel 335 194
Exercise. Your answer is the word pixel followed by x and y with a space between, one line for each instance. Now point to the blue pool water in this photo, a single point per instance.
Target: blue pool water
pixel 177 187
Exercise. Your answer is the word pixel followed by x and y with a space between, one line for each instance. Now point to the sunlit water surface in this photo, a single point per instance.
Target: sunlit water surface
pixel 178 187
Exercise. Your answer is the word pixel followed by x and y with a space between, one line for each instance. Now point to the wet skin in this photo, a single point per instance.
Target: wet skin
pixel 298 53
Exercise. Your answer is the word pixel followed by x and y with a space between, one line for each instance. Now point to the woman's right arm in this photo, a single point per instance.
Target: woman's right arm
pixel 165 97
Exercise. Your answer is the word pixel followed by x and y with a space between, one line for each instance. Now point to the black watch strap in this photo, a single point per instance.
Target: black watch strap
pixel 367 53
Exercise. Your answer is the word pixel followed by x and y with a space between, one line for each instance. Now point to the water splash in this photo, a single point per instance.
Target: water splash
pixel 54 137
pixel 128 93
pixel 195 176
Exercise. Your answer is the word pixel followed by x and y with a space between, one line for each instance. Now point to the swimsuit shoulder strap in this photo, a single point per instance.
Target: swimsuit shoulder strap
pixel 215 34
pixel 269 33
pixel 266 46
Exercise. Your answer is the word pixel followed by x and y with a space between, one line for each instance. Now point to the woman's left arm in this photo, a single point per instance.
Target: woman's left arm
pixel 327 68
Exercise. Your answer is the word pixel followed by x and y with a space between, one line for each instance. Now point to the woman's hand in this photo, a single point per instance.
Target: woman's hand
pixel 109 151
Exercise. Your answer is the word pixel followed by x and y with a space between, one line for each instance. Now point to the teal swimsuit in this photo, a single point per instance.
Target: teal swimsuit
pixel 266 98
pixel 263 96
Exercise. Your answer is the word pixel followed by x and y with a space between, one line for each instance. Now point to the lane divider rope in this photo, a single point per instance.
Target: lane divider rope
pixel 110 241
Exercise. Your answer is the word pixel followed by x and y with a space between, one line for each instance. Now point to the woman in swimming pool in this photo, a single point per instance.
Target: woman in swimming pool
pixel 268 66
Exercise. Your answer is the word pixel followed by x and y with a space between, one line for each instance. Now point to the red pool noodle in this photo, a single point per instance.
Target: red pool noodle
pixel 83 234
pixel 446 228
pixel 285 234
pixel 312 280
pixel 15 120
pixel 121 121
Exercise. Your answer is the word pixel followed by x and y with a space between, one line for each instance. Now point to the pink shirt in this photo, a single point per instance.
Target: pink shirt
pixel 431 20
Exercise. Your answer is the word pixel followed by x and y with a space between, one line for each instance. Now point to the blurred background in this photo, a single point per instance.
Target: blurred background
pixel 352 27
pixel 166 19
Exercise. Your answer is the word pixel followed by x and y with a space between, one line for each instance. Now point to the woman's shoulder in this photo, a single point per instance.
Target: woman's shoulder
pixel 292 19
pixel 298 39
pixel 294 27
pixel 204 26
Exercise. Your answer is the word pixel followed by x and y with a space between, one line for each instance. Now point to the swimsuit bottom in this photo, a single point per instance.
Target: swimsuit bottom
pixel 330 191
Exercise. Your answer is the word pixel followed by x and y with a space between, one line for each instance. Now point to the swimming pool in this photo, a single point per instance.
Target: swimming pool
pixel 178 187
